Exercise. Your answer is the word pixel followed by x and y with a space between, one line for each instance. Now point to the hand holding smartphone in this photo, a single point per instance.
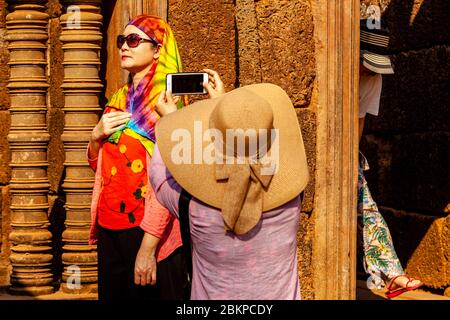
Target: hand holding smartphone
pixel 186 83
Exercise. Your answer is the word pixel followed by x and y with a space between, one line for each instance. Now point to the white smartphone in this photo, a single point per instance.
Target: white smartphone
pixel 184 83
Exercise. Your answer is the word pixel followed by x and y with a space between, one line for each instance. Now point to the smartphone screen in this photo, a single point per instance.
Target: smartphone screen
pixel 187 83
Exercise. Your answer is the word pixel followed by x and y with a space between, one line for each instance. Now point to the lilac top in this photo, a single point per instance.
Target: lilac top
pixel 260 265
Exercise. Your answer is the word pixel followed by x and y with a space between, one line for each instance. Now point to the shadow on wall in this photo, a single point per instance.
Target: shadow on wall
pixel 57 218
pixel 408 144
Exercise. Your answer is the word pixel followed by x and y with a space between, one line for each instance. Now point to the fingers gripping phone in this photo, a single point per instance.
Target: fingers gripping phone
pixel 184 83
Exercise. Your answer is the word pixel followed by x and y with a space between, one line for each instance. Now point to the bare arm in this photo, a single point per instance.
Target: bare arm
pixel 145 265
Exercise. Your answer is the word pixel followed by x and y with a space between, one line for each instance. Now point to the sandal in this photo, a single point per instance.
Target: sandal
pixel 394 293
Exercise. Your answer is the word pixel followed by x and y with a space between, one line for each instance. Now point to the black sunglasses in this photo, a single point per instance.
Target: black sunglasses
pixel 133 40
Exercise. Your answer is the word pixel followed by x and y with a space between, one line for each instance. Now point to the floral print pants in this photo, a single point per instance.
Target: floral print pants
pixel 379 257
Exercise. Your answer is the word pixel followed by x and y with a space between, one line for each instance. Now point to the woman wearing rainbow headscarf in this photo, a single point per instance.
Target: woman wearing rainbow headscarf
pixel 120 152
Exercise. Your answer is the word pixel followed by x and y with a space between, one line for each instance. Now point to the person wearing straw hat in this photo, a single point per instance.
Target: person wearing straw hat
pixel 241 156
pixel 380 259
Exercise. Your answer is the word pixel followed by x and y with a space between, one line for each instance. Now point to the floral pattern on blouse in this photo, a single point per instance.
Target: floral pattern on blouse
pixel 124 183
pixel 380 259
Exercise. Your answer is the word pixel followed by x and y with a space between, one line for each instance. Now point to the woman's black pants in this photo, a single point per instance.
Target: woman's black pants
pixel 117 250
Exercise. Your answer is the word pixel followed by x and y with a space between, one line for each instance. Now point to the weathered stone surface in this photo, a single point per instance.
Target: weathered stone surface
pixel 249 70
pixel 414 24
pixel 1 219
pixel 416 97
pixel 5 155
pixel 447 292
pixel 307 121
pixel 286 38
pixel 28 141
pixel 305 239
pixel 446 249
pixel 4 275
pixel 206 36
pixel 54 8
pixel 5 246
pixel 55 119
pixel 55 149
pixel 2 14
pixel 420 243
pixel 5 219
pixel 4 71
pixel 410 171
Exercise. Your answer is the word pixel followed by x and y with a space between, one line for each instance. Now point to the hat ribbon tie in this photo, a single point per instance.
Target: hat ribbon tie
pixel 242 204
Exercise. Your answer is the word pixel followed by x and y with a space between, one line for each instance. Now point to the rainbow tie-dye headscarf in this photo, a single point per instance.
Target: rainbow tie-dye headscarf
pixel 141 102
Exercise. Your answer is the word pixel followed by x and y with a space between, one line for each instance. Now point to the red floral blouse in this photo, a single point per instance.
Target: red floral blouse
pixel 124 182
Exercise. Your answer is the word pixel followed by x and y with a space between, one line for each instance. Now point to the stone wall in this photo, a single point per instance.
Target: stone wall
pixel 408 144
pixel 5 156
pixel 55 126
pixel 55 123
pixel 247 42
pixel 250 41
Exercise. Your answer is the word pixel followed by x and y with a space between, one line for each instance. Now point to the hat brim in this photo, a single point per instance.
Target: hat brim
pixel 376 62
pixel 199 179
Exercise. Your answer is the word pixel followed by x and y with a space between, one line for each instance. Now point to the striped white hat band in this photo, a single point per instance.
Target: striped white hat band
pixel 374 39
pixel 377 63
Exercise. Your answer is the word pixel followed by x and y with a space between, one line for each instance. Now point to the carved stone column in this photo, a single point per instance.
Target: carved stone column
pixel 31 256
pixel 81 37
pixel 336 30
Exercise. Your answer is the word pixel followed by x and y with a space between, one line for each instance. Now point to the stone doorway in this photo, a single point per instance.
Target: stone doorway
pixel 335 137
pixel 78 77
